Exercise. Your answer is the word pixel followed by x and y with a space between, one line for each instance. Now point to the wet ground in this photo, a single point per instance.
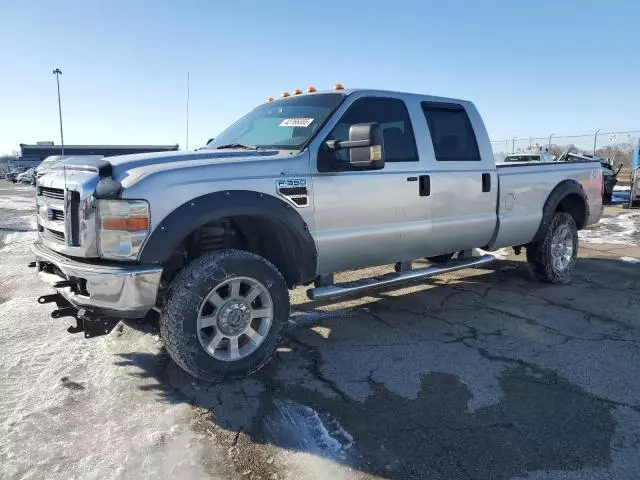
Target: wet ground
pixel 480 374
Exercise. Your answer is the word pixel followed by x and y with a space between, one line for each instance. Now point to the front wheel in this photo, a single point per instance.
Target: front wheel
pixel 224 315
pixel 554 258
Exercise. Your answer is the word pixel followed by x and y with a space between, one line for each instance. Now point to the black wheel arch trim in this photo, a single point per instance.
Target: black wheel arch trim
pixel 557 195
pixel 175 227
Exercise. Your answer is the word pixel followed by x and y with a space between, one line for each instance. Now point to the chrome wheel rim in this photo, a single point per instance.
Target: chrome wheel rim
pixel 234 319
pixel 561 249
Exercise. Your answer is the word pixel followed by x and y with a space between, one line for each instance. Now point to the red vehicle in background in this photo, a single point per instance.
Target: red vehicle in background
pixel 13 174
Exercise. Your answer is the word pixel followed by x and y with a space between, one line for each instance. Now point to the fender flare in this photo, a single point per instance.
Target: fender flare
pixel 557 195
pixel 173 229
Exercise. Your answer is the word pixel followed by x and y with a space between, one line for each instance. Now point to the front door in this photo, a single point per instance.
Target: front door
pixel 365 218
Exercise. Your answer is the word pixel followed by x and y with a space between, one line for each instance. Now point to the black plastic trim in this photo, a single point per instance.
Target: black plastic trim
pixel 300 246
pixel 100 165
pixel 557 195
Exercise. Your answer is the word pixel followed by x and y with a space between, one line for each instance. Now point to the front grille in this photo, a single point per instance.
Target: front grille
pixel 58 215
pixel 57 193
pixel 53 235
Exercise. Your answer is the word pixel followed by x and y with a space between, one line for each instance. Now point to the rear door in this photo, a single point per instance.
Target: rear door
pixel 464 184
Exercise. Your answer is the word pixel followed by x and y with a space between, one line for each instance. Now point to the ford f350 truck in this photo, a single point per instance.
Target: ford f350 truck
pixel 298 189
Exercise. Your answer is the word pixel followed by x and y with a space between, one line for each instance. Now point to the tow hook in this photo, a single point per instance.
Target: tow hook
pixel 92 324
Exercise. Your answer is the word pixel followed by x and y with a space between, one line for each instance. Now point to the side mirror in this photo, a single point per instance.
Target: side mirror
pixel 365 144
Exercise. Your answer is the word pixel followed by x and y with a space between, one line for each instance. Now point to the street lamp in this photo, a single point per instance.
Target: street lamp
pixel 57 72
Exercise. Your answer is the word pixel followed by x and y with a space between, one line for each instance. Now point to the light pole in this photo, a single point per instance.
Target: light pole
pixel 595 141
pixel 550 137
pixel 57 72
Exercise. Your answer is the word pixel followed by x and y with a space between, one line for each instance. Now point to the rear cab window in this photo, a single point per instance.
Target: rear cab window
pixel 451 132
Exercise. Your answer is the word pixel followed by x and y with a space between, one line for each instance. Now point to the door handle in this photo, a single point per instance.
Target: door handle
pixel 424 185
pixel 486 182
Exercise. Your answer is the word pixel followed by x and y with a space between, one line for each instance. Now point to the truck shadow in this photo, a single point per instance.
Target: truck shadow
pixel 539 422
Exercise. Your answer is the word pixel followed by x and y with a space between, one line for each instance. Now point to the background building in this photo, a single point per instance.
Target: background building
pixel 32 155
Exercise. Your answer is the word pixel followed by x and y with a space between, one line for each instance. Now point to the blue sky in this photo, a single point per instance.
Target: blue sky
pixel 532 68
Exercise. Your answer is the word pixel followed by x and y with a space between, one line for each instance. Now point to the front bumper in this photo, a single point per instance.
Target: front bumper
pixel 127 291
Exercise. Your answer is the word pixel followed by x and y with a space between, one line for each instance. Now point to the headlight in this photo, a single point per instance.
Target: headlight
pixel 124 224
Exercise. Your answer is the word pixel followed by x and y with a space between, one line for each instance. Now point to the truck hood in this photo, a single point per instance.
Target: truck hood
pixel 123 163
pixel 134 166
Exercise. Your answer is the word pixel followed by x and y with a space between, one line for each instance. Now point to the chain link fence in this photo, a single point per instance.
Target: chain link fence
pixel 615 146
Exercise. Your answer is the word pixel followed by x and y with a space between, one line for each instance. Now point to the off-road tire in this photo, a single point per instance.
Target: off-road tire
pixel 179 314
pixel 444 258
pixel 539 254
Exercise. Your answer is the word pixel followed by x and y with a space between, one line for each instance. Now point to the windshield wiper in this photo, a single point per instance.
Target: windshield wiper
pixel 238 145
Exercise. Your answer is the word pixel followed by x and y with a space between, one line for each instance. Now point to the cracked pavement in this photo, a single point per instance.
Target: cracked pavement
pixel 478 374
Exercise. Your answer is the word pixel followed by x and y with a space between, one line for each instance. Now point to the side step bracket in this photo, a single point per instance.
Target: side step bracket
pixel 393 279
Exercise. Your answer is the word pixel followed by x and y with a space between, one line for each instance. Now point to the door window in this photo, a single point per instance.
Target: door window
pixel 451 132
pixel 393 117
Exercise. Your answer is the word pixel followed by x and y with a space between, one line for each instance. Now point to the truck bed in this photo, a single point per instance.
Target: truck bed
pixel 525 187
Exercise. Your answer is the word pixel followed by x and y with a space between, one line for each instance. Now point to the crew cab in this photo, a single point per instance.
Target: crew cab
pixel 298 189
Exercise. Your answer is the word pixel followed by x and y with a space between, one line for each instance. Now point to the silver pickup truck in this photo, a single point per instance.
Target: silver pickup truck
pixel 298 189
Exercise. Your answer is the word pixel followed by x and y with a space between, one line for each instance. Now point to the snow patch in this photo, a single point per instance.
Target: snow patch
pixel 18 203
pixel 75 408
pixel 623 229
pixel 630 260
pixel 501 254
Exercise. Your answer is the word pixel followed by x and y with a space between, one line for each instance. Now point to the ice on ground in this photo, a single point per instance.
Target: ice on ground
pixel 307 430
pixel 501 254
pixel 630 260
pixel 18 203
pixel 71 408
pixel 623 229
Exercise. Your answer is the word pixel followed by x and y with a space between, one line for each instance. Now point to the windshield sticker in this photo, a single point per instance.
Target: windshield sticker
pixel 296 122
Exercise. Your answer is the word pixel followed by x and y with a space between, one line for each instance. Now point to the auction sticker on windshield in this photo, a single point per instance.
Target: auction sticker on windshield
pixel 296 122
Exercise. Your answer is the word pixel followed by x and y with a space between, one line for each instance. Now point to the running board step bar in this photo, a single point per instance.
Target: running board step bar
pixel 394 279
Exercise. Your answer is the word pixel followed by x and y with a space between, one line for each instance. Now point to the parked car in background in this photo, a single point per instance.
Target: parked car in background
pixel 529 157
pixel 11 176
pixel 27 177
pixel 609 172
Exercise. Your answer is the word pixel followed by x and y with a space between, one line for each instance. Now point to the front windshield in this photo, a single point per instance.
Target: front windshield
pixel 285 124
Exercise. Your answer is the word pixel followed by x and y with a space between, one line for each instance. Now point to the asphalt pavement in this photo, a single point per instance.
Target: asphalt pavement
pixel 479 374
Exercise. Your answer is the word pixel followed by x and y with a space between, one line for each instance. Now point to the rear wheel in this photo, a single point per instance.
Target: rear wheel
pixel 553 259
pixel 224 315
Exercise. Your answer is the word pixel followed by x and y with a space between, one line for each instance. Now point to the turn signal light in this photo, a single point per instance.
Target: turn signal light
pixel 270 99
pixel 311 90
pixel 284 94
pixel 297 91
pixel 131 224
pixel 338 86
